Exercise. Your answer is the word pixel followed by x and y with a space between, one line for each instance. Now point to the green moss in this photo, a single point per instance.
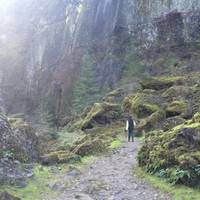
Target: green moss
pixel 172 122
pixel 66 138
pixel 161 82
pixel 15 121
pixel 37 188
pixel 178 91
pixel 142 104
pixel 177 192
pixel 151 122
pixel 177 108
pixel 144 109
pixel 59 157
pixel 101 113
pixel 175 151
pixel 90 147
pixel 116 144
pixel 196 118
pixel 115 96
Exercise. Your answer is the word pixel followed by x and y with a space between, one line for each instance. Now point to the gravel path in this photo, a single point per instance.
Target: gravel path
pixel 112 178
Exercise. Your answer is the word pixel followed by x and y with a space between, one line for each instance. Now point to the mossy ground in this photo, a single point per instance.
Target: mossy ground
pixel 116 144
pixel 177 192
pixel 38 187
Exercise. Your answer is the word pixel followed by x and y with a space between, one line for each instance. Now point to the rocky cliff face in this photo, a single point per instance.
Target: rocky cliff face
pixel 122 39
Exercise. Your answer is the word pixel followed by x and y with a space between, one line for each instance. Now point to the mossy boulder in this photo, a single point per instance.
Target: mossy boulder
pixel 151 122
pixel 26 148
pixel 7 139
pixel 178 91
pixel 143 110
pixel 20 141
pixel 7 196
pixel 15 121
pixel 101 114
pixel 174 153
pixel 172 122
pixel 142 104
pixel 90 146
pixel 160 83
pixel 115 96
pixel 176 108
pixel 59 157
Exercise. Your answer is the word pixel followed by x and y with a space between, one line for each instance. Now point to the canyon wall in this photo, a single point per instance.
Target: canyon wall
pixel 120 40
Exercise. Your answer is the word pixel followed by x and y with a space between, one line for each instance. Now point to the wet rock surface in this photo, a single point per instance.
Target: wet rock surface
pixel 15 173
pixel 112 178
pixel 7 196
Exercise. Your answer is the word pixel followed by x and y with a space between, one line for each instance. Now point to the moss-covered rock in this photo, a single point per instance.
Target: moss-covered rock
pixel 115 96
pixel 178 91
pixel 175 153
pixel 176 108
pixel 26 148
pixel 15 121
pixel 143 110
pixel 101 113
pixel 19 142
pixel 90 146
pixel 172 122
pixel 142 104
pixel 7 140
pixel 160 83
pixel 151 122
pixel 59 157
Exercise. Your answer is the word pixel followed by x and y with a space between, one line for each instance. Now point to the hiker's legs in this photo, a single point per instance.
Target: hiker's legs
pixel 129 137
pixel 132 136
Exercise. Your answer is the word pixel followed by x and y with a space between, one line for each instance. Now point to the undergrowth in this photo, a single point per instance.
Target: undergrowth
pixel 178 192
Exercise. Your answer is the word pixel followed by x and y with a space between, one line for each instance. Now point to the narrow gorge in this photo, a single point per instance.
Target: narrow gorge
pixel 72 71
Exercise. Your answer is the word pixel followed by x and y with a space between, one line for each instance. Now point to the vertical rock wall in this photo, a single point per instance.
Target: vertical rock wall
pixel 57 34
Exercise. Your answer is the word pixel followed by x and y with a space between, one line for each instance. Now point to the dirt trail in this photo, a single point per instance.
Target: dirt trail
pixel 111 178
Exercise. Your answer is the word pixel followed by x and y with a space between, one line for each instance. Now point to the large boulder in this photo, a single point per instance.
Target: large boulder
pixel 160 83
pixel 172 122
pixel 101 114
pixel 142 104
pixel 59 157
pixel 176 108
pixel 90 146
pixel 18 145
pixel 26 149
pixel 18 142
pixel 115 96
pixel 14 172
pixel 177 92
pixel 151 122
pixel 174 154
pixel 7 139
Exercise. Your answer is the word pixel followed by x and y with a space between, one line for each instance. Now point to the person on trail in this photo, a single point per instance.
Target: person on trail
pixel 130 125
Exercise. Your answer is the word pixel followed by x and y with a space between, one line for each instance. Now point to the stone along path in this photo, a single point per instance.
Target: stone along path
pixel 112 178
